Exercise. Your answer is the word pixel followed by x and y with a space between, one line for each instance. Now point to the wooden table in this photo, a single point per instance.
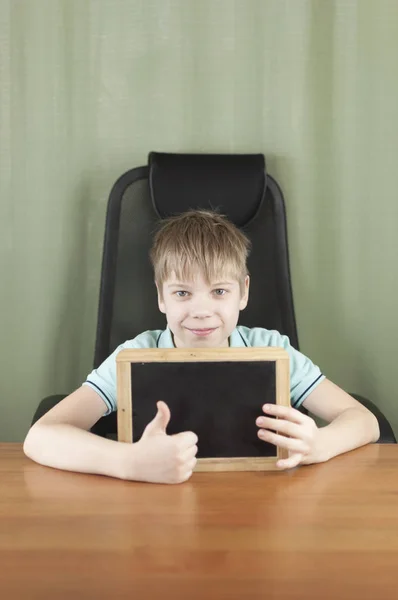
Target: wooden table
pixel 324 531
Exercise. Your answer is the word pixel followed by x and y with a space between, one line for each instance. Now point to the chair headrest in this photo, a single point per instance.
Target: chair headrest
pixel 233 184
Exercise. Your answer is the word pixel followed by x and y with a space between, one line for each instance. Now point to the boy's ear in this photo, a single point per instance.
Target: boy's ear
pixel 245 296
pixel 161 305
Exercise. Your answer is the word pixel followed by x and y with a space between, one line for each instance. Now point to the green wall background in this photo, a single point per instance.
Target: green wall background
pixel 89 87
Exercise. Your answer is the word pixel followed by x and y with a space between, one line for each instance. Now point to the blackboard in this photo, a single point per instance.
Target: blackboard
pixel 216 393
pixel 219 401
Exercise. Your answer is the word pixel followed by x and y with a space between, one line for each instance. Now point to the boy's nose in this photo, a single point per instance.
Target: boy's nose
pixel 201 310
pixel 201 314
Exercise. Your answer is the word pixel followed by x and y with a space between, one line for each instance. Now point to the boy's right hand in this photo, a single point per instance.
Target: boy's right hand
pixel 161 458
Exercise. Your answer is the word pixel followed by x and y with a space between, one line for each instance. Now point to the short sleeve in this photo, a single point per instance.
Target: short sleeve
pixel 305 376
pixel 103 379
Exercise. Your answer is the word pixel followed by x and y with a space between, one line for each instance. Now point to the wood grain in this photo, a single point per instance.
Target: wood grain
pixel 203 354
pixel 125 409
pixel 324 531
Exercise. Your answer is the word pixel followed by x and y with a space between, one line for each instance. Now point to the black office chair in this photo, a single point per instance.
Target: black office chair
pixel 236 185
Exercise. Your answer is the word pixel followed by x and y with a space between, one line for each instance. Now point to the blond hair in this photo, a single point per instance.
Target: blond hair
pixel 199 240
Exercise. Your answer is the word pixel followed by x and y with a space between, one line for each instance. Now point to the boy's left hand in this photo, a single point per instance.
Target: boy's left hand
pixel 295 431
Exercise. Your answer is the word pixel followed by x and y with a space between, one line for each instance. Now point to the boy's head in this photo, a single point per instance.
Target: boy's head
pixel 199 259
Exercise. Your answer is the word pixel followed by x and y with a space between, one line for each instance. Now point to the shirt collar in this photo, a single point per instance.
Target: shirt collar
pixel 235 341
pixel 165 339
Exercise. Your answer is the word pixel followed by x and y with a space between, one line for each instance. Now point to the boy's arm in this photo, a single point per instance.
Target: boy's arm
pixel 61 439
pixel 350 425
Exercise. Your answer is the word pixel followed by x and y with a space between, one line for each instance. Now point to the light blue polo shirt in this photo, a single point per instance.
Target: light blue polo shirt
pixel 304 375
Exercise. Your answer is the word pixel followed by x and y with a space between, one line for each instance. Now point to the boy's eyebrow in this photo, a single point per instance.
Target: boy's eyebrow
pixel 184 285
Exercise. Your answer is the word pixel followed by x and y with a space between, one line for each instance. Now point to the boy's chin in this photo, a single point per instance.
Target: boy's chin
pixel 207 345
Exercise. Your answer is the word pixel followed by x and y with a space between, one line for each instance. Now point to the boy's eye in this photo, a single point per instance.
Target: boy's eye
pixel 220 292
pixel 181 294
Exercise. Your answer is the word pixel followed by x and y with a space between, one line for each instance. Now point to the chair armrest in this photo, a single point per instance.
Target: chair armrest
pixel 106 426
pixel 386 433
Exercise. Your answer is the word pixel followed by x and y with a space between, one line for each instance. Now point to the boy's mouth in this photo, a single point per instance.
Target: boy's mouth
pixel 202 332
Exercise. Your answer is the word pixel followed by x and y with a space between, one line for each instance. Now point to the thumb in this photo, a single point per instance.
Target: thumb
pixel 159 422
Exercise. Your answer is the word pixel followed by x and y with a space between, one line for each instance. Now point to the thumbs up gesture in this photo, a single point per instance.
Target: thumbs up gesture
pixel 158 425
pixel 161 458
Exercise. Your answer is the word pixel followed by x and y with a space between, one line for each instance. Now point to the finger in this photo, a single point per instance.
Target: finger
pixel 186 439
pixel 289 463
pixel 186 475
pixel 191 464
pixel 189 454
pixel 160 421
pixel 281 441
pixel 281 426
pixel 285 412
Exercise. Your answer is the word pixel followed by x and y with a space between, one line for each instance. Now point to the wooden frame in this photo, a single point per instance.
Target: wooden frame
pixel 124 400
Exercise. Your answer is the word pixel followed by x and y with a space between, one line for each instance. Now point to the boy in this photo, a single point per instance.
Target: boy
pixel 199 261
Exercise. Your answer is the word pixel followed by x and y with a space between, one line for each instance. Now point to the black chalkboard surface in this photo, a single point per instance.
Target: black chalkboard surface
pixel 216 393
pixel 219 401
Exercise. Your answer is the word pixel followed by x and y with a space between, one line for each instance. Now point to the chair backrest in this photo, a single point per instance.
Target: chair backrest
pixel 236 185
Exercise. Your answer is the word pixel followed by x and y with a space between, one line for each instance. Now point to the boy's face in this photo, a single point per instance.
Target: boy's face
pixel 201 315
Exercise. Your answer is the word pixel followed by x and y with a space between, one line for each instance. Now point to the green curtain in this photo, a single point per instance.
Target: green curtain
pixel 89 87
